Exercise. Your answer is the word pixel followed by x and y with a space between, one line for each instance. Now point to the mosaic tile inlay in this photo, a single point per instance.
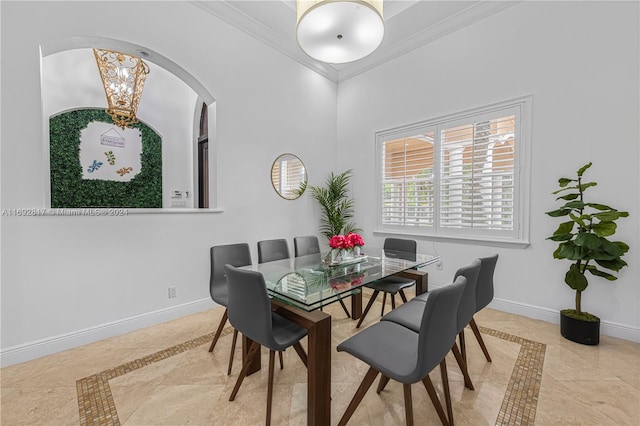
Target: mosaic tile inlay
pixel 96 405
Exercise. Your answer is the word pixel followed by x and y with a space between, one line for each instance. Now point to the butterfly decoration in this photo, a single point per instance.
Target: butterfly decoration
pixel 123 171
pixel 110 157
pixel 95 166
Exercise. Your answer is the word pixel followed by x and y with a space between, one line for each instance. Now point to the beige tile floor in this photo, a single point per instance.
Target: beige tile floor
pixel 134 379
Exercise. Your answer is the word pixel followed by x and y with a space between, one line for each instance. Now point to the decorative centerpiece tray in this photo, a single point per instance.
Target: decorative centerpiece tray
pixel 347 261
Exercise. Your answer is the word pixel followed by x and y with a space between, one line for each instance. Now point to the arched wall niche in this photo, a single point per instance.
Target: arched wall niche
pixel 79 86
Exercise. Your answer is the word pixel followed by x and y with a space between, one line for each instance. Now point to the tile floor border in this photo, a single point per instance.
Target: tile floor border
pixel 97 407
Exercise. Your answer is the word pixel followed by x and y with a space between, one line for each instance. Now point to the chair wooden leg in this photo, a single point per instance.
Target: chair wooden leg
pixel 223 321
pixel 447 393
pixel 255 347
pixel 476 331
pixel 301 353
pixel 463 345
pixel 393 301
pixel 360 393
pixel 233 350
pixel 434 399
pixel 384 302
pixel 463 366
pixel 272 357
pixel 366 310
pixel 403 296
pixel 281 361
pixel 408 404
pixel 382 383
pixel 344 307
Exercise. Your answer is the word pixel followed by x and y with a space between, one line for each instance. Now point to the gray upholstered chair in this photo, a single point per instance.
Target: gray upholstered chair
pixel 250 313
pixel 403 355
pixel 393 247
pixel 410 315
pixel 484 296
pixel 270 250
pixel 234 254
pixel 306 245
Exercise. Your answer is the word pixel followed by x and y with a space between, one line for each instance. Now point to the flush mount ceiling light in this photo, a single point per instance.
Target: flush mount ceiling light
pixel 339 31
pixel 123 79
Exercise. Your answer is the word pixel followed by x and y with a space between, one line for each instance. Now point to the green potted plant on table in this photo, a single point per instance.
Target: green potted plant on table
pixel 583 241
pixel 335 204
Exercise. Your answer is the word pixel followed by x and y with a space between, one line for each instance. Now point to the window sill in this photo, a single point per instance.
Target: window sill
pixel 458 239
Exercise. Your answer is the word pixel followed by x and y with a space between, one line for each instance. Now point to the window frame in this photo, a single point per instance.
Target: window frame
pixel 522 108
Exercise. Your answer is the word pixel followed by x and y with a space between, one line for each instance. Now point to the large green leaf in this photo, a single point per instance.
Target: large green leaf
pixel 559 212
pixel 587 185
pixel 599 206
pixel 575 279
pixel 590 241
pixel 612 249
pixel 571 251
pixel 614 265
pixel 624 247
pixel 579 219
pixel 572 196
pixel 610 215
pixel 564 181
pixel 577 204
pixel 557 191
pixel 564 228
pixel 582 169
pixel 560 237
pixel 604 229
pixel 595 271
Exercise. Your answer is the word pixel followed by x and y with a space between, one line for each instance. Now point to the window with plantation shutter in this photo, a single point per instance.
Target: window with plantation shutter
pixel 460 176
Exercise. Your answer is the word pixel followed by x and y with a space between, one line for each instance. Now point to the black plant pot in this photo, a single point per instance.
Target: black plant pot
pixel 580 331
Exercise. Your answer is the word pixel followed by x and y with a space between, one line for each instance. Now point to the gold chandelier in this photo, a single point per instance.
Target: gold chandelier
pixel 123 79
pixel 339 31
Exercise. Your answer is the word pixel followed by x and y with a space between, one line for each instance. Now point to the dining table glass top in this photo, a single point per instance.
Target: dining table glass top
pixel 310 282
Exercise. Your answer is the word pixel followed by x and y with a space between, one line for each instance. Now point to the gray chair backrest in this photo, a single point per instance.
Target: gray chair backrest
pixel 233 254
pixel 407 247
pixel 484 287
pixel 438 329
pixel 467 306
pixel 306 245
pixel 249 305
pixel 270 250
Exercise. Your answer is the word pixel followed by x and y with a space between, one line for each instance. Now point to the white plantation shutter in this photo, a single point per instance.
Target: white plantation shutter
pixel 477 175
pixel 457 176
pixel 408 187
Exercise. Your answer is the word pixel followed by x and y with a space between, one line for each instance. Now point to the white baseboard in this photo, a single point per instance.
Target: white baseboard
pixel 48 346
pixel 607 328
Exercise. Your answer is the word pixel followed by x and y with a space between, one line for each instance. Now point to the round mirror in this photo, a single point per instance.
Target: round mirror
pixel 289 176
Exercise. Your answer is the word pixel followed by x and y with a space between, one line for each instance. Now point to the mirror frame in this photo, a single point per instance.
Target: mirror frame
pixel 277 161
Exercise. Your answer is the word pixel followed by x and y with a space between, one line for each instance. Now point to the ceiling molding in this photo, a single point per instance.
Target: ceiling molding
pixel 269 30
pixel 226 11
pixel 471 14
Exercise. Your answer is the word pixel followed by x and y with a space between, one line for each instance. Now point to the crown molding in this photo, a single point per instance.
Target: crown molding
pixel 260 29
pixel 229 13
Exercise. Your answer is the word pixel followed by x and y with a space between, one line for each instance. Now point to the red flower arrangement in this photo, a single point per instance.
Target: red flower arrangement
pixel 346 242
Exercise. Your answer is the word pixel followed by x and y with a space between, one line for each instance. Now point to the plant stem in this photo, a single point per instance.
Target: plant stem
pixel 578 301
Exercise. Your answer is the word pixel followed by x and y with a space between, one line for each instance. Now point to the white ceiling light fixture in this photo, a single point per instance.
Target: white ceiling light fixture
pixel 339 31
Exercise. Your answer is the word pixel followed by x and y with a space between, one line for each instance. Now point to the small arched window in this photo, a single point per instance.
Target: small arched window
pixel 203 158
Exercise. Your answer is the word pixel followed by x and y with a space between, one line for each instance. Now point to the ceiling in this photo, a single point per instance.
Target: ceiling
pixel 409 24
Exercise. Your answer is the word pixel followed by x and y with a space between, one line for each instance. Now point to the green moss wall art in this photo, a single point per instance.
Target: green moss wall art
pixel 97 164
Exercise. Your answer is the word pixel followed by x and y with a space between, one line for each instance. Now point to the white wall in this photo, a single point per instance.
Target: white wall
pixel 580 61
pixel 69 280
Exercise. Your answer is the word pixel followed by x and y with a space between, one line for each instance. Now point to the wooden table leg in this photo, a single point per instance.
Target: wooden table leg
pixel 356 305
pixel 318 325
pixel 255 363
pixel 421 278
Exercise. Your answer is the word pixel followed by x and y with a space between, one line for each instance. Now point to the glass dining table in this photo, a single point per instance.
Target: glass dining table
pixel 301 286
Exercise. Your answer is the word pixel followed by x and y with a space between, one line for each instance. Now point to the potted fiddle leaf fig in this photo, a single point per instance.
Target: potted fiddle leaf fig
pixel 583 241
